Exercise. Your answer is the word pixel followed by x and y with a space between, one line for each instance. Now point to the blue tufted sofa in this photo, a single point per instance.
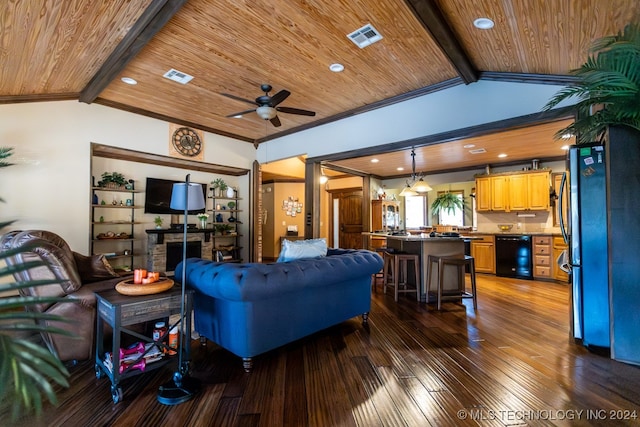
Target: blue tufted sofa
pixel 252 308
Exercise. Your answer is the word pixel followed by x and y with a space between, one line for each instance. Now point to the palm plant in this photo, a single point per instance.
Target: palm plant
pixel 609 82
pixel 26 368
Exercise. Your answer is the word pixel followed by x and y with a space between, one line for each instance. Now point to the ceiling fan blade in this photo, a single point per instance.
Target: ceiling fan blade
pixel 296 111
pixel 279 97
pixel 237 98
pixel 241 113
pixel 275 121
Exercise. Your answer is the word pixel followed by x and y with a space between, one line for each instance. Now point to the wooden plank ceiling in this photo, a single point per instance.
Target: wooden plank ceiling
pixel 79 49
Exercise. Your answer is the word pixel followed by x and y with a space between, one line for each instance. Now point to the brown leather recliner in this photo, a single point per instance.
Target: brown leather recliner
pixel 79 277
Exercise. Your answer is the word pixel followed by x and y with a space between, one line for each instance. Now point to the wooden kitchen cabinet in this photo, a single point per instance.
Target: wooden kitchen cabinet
pixel 538 186
pixel 500 193
pixel 385 215
pixel 483 194
pixel 542 263
pixel 518 192
pixel 484 254
pixel 564 203
pixel 513 192
pixel 558 246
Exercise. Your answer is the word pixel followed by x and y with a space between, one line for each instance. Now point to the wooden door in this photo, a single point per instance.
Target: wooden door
pixel 349 205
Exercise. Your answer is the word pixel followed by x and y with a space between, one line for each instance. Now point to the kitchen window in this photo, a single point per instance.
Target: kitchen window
pixel 415 211
pixel 445 217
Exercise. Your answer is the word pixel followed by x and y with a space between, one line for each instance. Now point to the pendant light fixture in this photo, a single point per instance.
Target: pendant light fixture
pixel 417 184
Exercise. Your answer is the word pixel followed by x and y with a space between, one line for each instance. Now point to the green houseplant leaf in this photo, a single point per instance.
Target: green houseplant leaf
pixel 447 201
pixel 27 370
pixel 607 89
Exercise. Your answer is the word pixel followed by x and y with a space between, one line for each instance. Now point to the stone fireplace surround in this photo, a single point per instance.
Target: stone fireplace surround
pixel 157 246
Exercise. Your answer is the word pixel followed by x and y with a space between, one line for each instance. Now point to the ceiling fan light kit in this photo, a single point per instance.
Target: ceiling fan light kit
pixel 266 113
pixel 267 106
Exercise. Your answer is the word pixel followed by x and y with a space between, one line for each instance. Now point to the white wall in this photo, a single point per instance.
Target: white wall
pixel 49 185
pixel 450 109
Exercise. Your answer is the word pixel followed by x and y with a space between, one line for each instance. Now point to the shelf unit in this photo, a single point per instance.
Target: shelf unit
pixel 225 246
pixel 113 214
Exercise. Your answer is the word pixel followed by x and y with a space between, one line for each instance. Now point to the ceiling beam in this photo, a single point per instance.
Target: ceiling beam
pixel 151 21
pixel 17 99
pixel 433 20
pixel 453 135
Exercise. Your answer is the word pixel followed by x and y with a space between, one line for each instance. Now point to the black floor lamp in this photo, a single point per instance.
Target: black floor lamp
pixel 187 197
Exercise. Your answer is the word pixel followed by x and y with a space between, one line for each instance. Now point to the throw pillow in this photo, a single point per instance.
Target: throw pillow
pixel 299 249
pixel 93 268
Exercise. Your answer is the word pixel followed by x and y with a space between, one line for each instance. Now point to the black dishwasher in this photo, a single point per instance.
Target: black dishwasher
pixel 513 256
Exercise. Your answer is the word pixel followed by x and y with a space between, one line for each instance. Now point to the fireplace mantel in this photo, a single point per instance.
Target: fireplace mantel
pixel 162 232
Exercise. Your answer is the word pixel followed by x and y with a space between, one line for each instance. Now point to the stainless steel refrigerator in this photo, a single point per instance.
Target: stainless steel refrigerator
pixel 603 235
pixel 588 245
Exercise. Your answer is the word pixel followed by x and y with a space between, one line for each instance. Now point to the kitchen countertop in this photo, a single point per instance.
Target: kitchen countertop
pixel 422 237
pixel 516 233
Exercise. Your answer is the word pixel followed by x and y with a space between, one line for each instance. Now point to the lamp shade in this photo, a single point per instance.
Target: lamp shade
pixel 421 186
pixel 407 191
pixel 195 199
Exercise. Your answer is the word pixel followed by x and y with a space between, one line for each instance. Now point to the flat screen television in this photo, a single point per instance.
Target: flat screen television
pixel 157 197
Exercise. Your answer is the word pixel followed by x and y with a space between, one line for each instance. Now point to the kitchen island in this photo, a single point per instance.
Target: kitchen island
pixel 424 246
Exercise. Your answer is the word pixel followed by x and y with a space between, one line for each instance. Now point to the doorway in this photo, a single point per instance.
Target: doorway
pixel 346 219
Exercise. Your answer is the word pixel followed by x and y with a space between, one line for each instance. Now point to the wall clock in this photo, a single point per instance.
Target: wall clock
pixel 187 142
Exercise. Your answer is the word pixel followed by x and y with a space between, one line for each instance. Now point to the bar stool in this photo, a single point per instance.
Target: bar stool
pixel 380 274
pixel 395 269
pixel 459 262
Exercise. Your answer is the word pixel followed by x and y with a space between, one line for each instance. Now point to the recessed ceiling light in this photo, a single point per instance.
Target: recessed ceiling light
pixel 567 136
pixel 565 147
pixel 129 81
pixel 374 160
pixel 483 23
pixel 400 168
pixel 502 155
pixel 468 145
pixel 239 116
pixel 336 68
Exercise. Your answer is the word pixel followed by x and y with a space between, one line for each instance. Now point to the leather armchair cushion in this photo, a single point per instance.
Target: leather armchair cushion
pixel 56 253
pixel 93 268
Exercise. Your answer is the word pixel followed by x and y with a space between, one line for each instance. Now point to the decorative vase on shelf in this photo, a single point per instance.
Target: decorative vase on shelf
pixel 203 223
pixel 230 192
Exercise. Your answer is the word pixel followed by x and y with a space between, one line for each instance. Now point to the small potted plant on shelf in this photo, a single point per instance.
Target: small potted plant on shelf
pixel 158 222
pixel 113 180
pixel 202 217
pixel 220 185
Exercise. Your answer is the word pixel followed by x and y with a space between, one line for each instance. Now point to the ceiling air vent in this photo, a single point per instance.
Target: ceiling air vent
pixel 478 151
pixel 365 36
pixel 178 76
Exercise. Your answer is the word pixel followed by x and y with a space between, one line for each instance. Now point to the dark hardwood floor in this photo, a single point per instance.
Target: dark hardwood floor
pixel 510 363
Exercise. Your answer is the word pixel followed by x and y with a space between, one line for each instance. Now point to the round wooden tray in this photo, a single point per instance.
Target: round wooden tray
pixel 127 287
